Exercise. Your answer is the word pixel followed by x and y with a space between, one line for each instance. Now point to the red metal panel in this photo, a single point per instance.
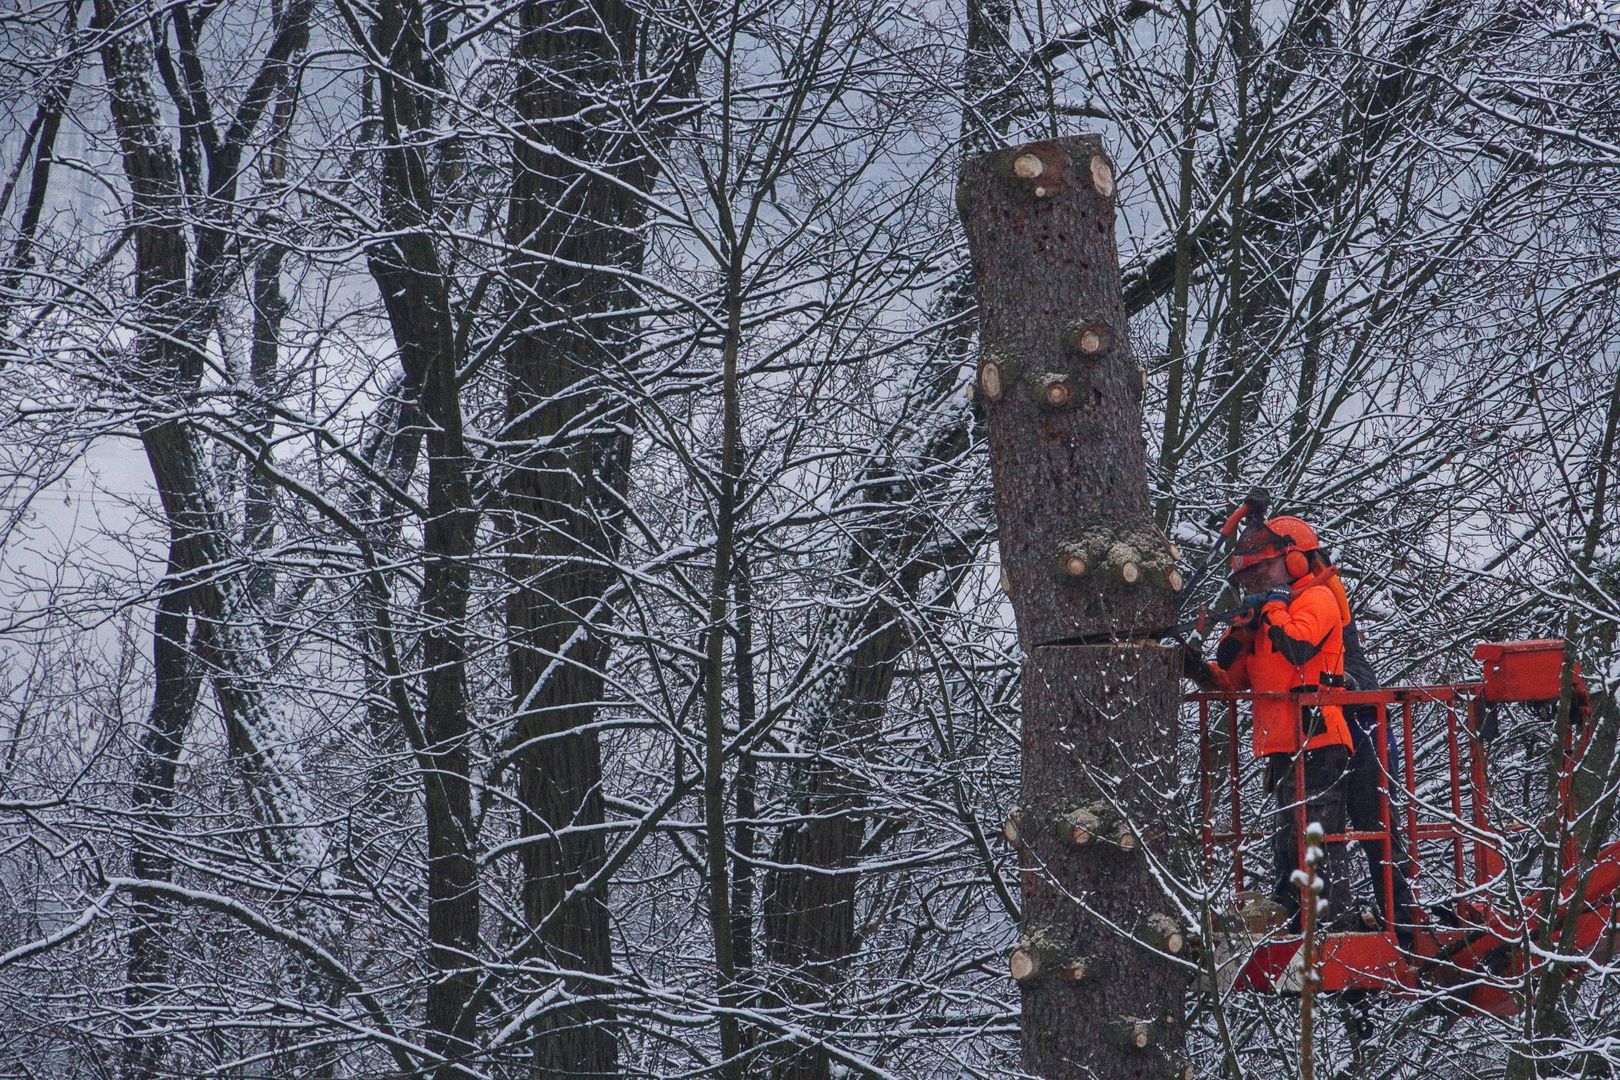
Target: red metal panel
pixel 1372 961
pixel 1522 670
pixel 1345 962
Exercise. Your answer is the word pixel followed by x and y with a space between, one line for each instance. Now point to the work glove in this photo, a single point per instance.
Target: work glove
pixel 1196 668
pixel 1248 612
pixel 1279 595
pixel 1233 644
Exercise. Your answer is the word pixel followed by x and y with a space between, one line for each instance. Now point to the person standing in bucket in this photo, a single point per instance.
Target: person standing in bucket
pixel 1289 638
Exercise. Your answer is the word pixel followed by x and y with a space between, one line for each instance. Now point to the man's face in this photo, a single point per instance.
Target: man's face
pixel 1263 575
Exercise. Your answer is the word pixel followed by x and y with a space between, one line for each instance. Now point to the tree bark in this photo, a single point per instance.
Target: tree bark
pixel 575 234
pixel 174 696
pixel 1081 557
pixel 415 290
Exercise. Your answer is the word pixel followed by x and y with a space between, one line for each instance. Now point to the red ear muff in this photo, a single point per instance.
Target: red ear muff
pixel 1296 563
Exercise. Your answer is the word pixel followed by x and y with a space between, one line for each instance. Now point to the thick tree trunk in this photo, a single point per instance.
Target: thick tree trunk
pixel 575 237
pixel 1081 557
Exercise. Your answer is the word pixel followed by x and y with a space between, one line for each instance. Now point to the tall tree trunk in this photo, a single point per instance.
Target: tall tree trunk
pixel 575 226
pixel 415 290
pixel 746 788
pixel 448 540
pixel 1082 558
pixel 714 685
pixel 174 696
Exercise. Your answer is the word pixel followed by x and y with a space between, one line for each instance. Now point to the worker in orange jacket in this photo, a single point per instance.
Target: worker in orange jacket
pixel 1289 638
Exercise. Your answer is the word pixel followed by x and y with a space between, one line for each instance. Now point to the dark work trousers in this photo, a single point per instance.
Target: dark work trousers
pixel 1363 804
pixel 1326 781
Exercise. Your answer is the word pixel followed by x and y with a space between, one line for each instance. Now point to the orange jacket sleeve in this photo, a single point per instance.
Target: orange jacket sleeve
pixel 1297 630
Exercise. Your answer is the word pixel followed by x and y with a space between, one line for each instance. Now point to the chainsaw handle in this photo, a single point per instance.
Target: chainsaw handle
pixel 1256 502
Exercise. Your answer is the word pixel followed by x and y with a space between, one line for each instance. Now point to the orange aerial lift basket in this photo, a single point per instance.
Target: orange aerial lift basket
pixel 1477 954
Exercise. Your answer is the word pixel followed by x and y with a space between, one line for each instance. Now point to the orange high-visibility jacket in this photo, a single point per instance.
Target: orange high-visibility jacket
pixel 1294 645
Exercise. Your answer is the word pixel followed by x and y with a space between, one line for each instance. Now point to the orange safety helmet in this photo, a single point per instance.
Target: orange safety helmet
pixel 1285 536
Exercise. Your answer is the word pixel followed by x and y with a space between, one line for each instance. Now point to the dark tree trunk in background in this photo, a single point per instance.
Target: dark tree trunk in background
pixel 415 289
pixel 1062 400
pixel 175 683
pixel 576 236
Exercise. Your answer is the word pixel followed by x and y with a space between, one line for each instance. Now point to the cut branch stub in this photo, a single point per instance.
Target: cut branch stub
pixel 1013 829
pixel 1102 176
pixel 1041 957
pixel 998 369
pixel 1080 827
pixel 1127 561
pixel 990 379
pixel 1164 933
pixel 1088 824
pixel 1040 169
pixel 1091 337
pixel 1078 558
pixel 1024 963
pixel 1132 1033
pixel 1052 391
